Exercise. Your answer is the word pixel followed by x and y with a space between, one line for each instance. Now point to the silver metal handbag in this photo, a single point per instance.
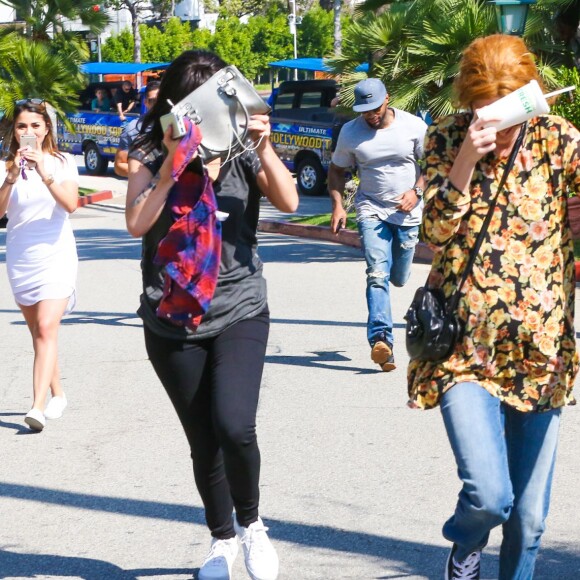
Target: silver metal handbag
pixel 222 107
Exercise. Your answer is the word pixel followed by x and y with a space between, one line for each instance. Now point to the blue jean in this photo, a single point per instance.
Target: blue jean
pixel 389 251
pixel 505 459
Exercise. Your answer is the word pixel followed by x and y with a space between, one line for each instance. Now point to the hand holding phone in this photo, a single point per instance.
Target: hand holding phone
pixel 28 141
pixel 31 142
pixel 177 123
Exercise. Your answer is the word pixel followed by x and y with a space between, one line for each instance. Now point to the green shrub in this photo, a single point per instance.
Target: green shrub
pixel 568 104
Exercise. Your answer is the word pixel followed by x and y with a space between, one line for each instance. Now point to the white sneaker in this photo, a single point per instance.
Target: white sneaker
pixel 259 554
pixel 218 563
pixel 55 407
pixel 35 420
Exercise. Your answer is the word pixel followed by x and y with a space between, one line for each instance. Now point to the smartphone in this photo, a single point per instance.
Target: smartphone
pixel 29 141
pixel 176 122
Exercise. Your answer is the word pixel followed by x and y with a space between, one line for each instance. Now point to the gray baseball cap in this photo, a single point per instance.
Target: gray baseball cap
pixel 368 95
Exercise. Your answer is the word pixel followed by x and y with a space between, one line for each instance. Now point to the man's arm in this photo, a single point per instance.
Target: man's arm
pixel 122 163
pixel 119 106
pixel 122 155
pixel 336 183
pixel 131 104
pixel 409 199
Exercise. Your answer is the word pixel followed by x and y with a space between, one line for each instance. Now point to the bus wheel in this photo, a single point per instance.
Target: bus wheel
pixel 311 177
pixel 95 163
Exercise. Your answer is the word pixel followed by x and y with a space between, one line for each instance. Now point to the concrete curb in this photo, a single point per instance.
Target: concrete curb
pixel 94 197
pixel 351 238
pixel 346 237
pixel 423 254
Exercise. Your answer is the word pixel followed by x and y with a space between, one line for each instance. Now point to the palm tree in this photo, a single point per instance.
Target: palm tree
pixel 415 47
pixel 45 18
pixel 43 59
pixel 30 69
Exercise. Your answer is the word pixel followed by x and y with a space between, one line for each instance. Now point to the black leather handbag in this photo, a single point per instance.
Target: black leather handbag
pixel 433 327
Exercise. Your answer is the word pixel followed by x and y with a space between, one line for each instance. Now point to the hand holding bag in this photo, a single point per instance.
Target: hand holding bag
pixel 222 107
pixel 433 327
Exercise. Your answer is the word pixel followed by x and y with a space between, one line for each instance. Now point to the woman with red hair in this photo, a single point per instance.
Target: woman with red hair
pixel 502 389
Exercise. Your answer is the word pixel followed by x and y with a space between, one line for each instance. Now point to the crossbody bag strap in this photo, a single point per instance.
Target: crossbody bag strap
pixel 475 250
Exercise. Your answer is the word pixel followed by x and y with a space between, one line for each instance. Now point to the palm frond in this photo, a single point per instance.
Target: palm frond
pixel 31 70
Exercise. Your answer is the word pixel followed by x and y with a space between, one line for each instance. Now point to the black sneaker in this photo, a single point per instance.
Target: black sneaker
pixel 466 570
pixel 382 353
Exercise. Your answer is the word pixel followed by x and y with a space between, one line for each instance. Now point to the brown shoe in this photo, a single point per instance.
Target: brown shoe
pixel 389 365
pixel 382 354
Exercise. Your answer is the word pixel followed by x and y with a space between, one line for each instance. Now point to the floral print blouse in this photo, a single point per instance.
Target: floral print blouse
pixel 518 303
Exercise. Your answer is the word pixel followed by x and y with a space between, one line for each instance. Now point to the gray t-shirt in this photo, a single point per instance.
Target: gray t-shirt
pixel 386 160
pixel 241 288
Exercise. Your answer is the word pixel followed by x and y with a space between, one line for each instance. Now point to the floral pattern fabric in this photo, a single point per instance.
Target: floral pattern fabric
pixel 518 303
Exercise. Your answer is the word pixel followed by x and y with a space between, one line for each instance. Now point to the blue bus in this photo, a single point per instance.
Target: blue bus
pixel 96 135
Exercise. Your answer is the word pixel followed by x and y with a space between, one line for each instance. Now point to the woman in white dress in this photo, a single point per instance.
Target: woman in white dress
pixel 38 191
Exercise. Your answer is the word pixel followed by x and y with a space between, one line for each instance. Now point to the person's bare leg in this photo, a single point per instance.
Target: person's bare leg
pixel 55 385
pixel 43 320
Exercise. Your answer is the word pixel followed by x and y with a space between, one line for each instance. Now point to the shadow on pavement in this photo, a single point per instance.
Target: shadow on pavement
pixel 107 244
pixel 326 323
pixel 409 558
pixel 295 250
pixel 320 360
pixel 318 322
pixel 20 428
pixel 104 318
pixel 14 565
pixel 88 317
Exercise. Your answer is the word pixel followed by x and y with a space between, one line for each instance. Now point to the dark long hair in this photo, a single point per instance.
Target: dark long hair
pixel 185 74
pixel 48 145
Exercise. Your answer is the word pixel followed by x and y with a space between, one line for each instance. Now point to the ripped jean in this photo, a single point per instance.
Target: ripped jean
pixel 389 251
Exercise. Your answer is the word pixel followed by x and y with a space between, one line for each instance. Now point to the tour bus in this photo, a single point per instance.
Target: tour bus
pixel 305 125
pixel 96 135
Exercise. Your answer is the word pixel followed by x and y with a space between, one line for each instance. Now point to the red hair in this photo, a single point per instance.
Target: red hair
pixel 492 67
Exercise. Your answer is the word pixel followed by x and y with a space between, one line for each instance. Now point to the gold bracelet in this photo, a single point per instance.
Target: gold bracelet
pixel 6 180
pixel 49 180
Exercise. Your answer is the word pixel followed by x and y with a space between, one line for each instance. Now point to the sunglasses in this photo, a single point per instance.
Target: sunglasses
pixel 21 102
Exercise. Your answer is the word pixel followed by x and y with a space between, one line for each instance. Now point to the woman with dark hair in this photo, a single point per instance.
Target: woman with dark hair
pixel 502 390
pixel 39 190
pixel 209 360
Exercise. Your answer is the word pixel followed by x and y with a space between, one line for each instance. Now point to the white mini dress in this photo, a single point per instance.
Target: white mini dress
pixel 41 253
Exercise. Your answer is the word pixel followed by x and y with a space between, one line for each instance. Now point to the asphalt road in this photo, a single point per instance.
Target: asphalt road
pixel 354 484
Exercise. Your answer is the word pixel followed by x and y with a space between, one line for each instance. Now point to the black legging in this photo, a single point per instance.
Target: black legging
pixel 214 385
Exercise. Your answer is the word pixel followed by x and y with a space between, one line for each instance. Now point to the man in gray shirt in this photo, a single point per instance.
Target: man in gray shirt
pixel 384 144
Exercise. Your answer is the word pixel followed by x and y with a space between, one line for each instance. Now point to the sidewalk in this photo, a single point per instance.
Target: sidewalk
pixel 117 186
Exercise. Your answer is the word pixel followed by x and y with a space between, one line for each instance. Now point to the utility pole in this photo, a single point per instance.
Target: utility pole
pixel 292 23
pixel 337 7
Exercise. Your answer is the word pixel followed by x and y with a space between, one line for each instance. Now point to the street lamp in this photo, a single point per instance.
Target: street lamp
pixel 511 15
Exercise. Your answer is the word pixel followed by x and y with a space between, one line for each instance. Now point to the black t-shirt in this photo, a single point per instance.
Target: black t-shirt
pixel 125 98
pixel 241 288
